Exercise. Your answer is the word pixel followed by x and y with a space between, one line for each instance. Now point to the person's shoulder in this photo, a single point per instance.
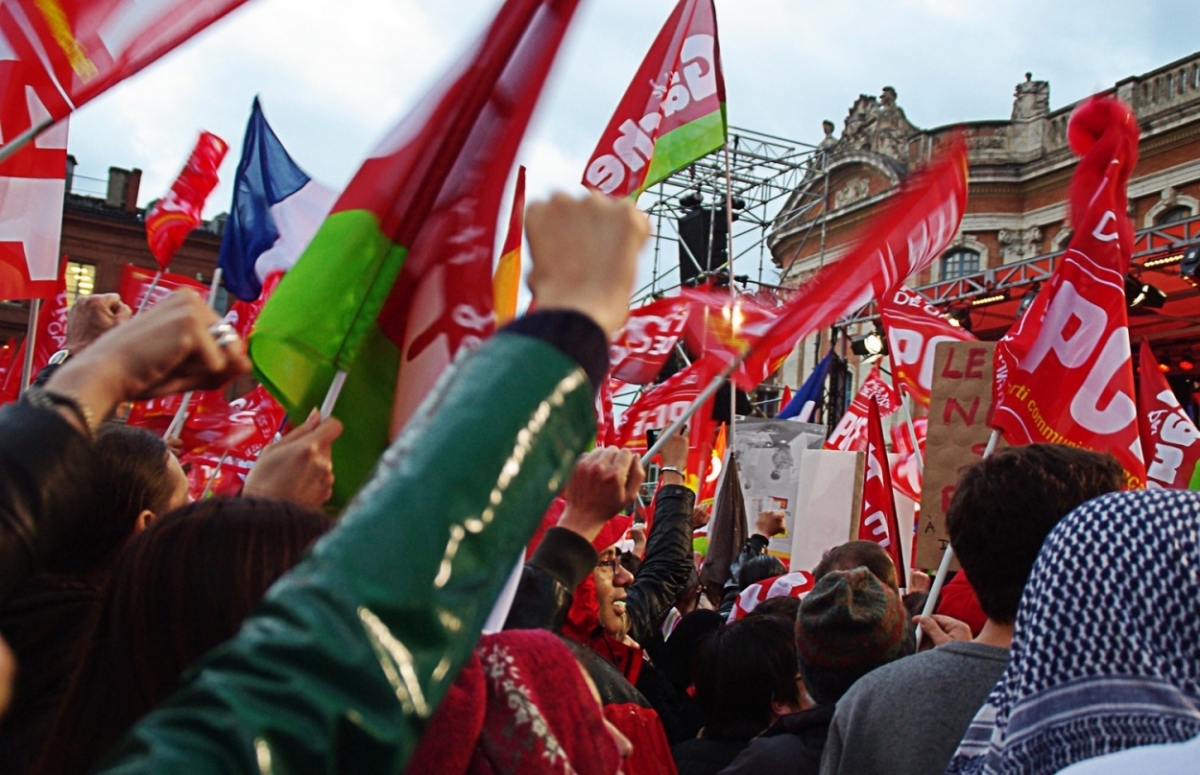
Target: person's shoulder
pixel 786 753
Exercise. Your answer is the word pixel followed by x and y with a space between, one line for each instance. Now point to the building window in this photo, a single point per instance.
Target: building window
pixel 1180 213
pixel 81 281
pixel 959 262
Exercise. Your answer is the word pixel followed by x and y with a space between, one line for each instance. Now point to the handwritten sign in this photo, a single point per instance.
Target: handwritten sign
pixel 960 410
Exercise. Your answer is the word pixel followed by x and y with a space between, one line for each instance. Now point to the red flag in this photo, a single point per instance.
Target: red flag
pixel 906 472
pixel 136 282
pixel 11 356
pixel 659 407
pixel 58 55
pixel 243 314
pixel 914 327
pixel 639 350
pixel 722 325
pixel 785 397
pixel 878 522
pixel 1168 436
pixel 52 324
pixel 850 435
pixel 708 483
pixel 32 188
pixel 174 216
pixel 1064 374
pixel 506 282
pixel 673 112
pixel 914 229
pixel 606 431
pixel 702 433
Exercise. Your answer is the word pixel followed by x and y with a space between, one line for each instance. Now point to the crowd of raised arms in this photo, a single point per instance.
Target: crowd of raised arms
pixel 260 634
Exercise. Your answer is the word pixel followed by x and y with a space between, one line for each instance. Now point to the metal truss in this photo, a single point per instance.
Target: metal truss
pixel 763 169
pixel 1161 245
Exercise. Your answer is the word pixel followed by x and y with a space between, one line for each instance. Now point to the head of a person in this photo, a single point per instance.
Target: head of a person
pixel 679 652
pixel 848 625
pixel 758 568
pixel 859 554
pixel 612 579
pixel 784 607
pixel 1004 507
pixel 745 677
pixel 182 586
pixel 137 479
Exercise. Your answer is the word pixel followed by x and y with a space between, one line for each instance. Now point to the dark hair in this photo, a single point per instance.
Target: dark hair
pixel 182 587
pixel 785 607
pixel 739 671
pixel 130 467
pixel 854 554
pixel 758 568
pixel 1004 507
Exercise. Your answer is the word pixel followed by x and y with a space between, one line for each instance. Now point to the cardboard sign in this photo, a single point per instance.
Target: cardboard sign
pixel 828 496
pixel 960 410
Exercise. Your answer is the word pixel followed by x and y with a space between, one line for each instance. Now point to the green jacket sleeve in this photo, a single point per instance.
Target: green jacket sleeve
pixel 352 650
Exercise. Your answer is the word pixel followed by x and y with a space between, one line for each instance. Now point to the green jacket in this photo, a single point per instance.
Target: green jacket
pixel 352 650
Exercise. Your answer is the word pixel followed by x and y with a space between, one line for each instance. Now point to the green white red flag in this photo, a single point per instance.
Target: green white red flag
pixel 1064 374
pixel 398 279
pixel 673 112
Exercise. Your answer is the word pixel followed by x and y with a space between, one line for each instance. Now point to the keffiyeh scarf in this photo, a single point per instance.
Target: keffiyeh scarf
pixel 1106 649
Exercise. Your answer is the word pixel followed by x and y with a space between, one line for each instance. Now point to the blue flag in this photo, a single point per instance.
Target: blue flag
pixel 809 395
pixel 276 210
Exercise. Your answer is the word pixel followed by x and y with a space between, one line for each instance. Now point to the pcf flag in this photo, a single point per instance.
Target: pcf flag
pixel 673 112
pixel 639 350
pixel 914 327
pixel 877 521
pixel 659 407
pixel 174 216
pixel 1169 438
pixel 850 434
pixel 32 189
pixel 1064 374
pixel 398 279
pixel 276 210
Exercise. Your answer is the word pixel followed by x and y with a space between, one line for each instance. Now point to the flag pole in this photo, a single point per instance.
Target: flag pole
pixel 150 291
pixel 213 479
pixel 732 289
pixel 948 556
pixel 23 139
pixel 175 429
pixel 674 427
pixel 35 308
pixel 331 396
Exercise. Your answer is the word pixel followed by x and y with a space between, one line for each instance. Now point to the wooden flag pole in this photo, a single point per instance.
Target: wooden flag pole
pixel 175 429
pixel 35 308
pixel 213 479
pixel 948 556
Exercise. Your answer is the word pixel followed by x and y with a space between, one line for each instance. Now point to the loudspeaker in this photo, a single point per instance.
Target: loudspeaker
pixel 695 228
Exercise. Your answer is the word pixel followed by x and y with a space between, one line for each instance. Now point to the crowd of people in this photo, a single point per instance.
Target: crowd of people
pixel 260 634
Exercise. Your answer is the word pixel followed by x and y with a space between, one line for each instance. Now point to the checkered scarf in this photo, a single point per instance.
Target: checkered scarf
pixel 1106 649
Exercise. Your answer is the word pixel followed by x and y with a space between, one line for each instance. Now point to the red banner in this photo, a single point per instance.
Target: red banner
pixel 877 521
pixel 914 327
pixel 606 430
pixel 679 83
pixel 850 435
pixel 659 407
pixel 1064 374
pixel 136 282
pixel 172 218
pixel 723 324
pixel 639 350
pixel 907 475
pixel 1168 435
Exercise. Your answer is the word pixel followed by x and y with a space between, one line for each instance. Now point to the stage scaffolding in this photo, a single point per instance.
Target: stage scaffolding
pixel 764 169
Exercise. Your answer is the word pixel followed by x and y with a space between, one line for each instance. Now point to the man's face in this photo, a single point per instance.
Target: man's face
pixel 611 580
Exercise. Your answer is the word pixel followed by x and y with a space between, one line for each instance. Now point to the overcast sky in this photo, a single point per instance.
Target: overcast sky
pixel 334 75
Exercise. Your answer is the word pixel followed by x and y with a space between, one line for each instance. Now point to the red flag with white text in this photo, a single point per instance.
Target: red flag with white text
pixel 673 112
pixel 172 218
pixel 136 282
pixel 907 475
pixel 639 350
pixel 723 324
pixel 914 327
pixel 1064 373
pixel 850 434
pixel 1169 438
pixel 659 407
pixel 32 189
pixel 878 522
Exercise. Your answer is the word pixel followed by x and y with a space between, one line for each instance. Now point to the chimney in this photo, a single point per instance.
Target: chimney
pixel 71 164
pixel 133 182
pixel 117 185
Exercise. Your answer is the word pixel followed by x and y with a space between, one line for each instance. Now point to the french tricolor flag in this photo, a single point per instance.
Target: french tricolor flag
pixel 276 210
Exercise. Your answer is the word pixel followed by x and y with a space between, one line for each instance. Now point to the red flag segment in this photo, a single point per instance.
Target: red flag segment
pixel 850 435
pixel 173 217
pixel 914 327
pixel 639 350
pixel 1064 374
pixel 1169 438
pixel 878 522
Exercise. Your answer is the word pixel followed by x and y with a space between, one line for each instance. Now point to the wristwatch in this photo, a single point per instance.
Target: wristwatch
pixel 59 358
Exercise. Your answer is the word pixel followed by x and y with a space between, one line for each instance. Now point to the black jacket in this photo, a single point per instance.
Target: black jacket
pixel 564 559
pixel 791 746
pixel 755 546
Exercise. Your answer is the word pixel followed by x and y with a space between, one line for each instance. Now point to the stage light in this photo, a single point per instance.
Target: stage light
pixel 991 298
pixel 1186 365
pixel 1163 261
pixel 1189 268
pixel 1164 368
pixel 1140 295
pixel 1027 299
pixel 739 203
pixel 871 345
pixel 691 201
pixel 960 317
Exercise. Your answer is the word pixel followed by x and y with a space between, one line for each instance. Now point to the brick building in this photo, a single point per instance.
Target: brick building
pixel 1016 222
pixel 102 231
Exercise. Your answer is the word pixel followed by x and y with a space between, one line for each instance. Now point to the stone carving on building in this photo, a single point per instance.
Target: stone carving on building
pixel 855 190
pixel 1019 244
pixel 1031 99
pixel 879 125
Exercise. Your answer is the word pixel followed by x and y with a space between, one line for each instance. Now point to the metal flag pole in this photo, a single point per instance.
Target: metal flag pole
pixel 153 287
pixel 175 429
pixel 35 308
pixel 23 139
pixel 732 288
pixel 948 556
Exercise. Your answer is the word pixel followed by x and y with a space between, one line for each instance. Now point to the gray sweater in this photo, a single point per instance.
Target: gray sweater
pixel 907 718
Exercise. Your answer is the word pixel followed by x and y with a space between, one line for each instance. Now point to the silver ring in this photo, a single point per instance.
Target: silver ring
pixel 224 334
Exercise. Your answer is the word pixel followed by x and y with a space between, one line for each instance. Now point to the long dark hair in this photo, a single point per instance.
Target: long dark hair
pixel 183 586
